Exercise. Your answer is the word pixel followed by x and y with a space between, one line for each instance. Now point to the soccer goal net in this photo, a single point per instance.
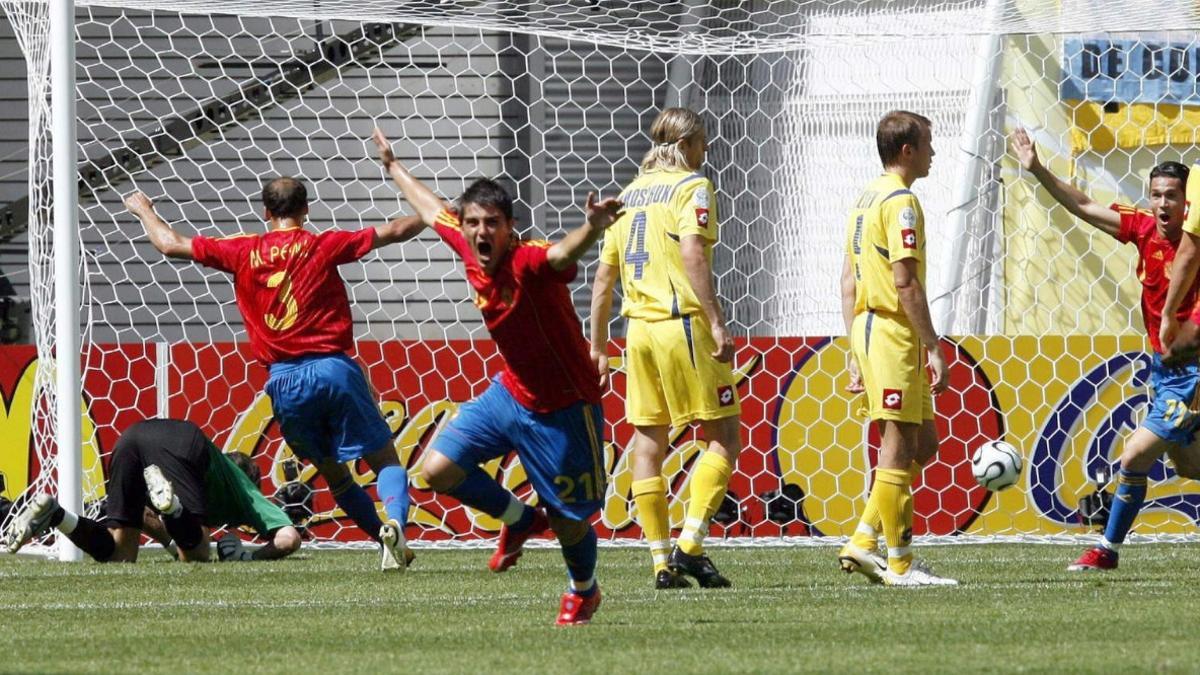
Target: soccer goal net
pixel 195 103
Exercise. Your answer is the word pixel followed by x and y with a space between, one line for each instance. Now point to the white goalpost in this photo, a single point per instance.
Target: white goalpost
pixel 195 103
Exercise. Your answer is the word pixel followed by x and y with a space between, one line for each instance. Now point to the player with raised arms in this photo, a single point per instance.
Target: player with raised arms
pixel 296 311
pixel 173 467
pixel 887 316
pixel 545 403
pixel 1170 423
pixel 678 352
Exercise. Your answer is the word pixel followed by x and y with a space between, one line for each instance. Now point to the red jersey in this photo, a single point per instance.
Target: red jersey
pixel 1155 254
pixel 292 299
pixel 527 309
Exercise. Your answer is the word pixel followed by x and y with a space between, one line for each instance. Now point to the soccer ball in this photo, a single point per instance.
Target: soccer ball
pixel 996 465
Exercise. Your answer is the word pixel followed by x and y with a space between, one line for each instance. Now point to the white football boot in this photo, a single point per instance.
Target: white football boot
pixel 32 521
pixel 396 556
pixel 161 492
pixel 919 574
pixel 867 563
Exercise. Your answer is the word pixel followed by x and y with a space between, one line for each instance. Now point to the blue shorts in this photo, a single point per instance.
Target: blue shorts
pixel 562 451
pixel 1173 408
pixel 325 408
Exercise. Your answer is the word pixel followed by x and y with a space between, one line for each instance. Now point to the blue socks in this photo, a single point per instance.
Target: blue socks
pixel 392 484
pixel 1131 494
pixel 358 505
pixel 482 493
pixel 581 564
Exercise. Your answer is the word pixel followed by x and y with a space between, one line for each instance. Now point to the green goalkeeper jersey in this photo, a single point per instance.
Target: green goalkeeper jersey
pixel 232 500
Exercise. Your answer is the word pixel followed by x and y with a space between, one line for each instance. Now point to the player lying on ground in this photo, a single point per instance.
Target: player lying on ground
pixel 678 352
pixel 887 316
pixel 295 309
pixel 171 466
pixel 1170 423
pixel 545 403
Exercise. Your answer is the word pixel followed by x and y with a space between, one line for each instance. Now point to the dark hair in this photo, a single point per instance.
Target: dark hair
pixel 248 466
pixel 285 197
pixel 1171 170
pixel 897 129
pixel 487 192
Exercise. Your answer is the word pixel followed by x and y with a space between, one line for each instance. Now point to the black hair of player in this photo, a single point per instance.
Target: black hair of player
pixel 248 466
pixel 486 192
pixel 897 129
pixel 1172 170
pixel 285 197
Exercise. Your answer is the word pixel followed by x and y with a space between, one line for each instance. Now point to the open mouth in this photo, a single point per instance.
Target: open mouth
pixel 1164 217
pixel 484 248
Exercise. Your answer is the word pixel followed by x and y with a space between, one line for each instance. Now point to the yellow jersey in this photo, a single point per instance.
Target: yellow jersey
pixel 886 225
pixel 1192 224
pixel 661 208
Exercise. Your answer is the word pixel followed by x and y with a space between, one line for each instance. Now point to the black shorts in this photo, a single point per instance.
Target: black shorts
pixel 179 448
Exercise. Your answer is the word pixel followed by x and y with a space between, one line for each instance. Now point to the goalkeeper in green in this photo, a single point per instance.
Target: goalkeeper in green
pixel 172 467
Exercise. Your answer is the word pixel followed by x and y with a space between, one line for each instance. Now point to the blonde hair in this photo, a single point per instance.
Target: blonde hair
pixel 672 126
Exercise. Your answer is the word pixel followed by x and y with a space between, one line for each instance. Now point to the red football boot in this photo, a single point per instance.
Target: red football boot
pixel 577 610
pixel 1096 558
pixel 512 542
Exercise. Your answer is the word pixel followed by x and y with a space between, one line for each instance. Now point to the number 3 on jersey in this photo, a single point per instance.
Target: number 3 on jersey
pixel 635 247
pixel 281 281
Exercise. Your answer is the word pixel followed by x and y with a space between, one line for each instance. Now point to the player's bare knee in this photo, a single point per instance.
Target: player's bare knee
pixel 441 473
pixel 724 436
pixel 382 458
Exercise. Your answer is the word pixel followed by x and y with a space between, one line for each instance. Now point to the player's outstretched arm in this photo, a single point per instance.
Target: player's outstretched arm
pixel 168 242
pixel 916 308
pixel 600 216
pixel 1074 200
pixel 398 230
pixel 1183 273
pixel 602 290
pixel 427 204
pixel 699 273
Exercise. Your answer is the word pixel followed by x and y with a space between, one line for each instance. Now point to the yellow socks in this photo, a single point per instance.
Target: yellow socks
pixel 709 481
pixel 893 498
pixel 650 496
pixel 866 535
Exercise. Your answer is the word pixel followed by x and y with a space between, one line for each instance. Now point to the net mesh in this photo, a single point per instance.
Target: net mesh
pixel 1048 352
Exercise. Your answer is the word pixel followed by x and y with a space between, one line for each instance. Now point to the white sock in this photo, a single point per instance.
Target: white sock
pixel 514 511
pixel 1109 545
pixel 69 521
pixel 582 586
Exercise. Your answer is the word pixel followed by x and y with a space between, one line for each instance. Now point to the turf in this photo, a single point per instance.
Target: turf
pixel 790 610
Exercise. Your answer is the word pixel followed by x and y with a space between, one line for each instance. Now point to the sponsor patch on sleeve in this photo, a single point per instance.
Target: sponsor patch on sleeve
pixel 702 217
pixel 725 395
pixel 908 237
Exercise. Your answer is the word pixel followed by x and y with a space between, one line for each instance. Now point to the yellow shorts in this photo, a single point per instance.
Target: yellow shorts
pixel 671 375
pixel 892 361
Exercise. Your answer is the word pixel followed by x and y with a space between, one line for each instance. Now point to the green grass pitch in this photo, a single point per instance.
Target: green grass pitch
pixel 790 610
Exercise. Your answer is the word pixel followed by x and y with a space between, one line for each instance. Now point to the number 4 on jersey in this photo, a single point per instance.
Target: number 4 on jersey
pixel 635 246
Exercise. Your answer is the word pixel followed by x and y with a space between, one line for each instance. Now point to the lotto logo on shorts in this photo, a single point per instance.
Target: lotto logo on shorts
pixel 702 217
pixel 892 399
pixel 909 238
pixel 725 395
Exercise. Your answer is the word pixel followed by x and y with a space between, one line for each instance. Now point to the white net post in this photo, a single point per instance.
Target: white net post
pixel 68 436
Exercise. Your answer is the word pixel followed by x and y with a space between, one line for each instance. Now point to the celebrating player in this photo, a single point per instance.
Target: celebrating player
pixel 294 305
pixel 1169 426
pixel 545 404
pixel 887 316
pixel 173 467
pixel 678 351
